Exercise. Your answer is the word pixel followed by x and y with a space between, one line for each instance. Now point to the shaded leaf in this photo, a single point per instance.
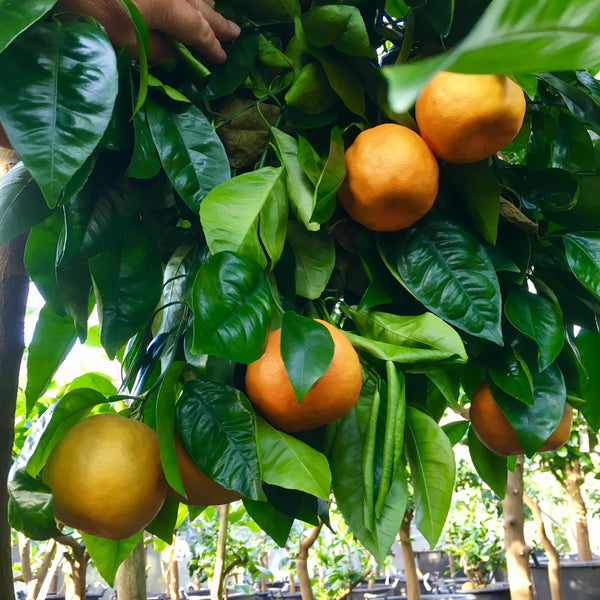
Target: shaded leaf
pixel 491 468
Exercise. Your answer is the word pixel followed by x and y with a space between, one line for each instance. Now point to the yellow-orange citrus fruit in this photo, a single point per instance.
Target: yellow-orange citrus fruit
pixel 495 431
pixel 199 488
pixel 330 397
pixel 106 477
pixel 391 179
pixel 466 118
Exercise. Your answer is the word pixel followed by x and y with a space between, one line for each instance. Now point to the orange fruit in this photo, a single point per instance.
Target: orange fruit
pixel 391 178
pixel 330 397
pixel 199 488
pixel 466 118
pixel 495 431
pixel 106 477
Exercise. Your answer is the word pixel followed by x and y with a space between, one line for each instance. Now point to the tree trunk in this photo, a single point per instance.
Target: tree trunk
pixel 216 588
pixel 517 552
pixel 14 285
pixel 78 559
pixel 553 556
pixel 413 591
pixel 131 575
pixel 306 544
pixel 577 509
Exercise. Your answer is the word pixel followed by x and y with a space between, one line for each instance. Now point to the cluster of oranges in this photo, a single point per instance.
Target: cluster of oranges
pixel 392 172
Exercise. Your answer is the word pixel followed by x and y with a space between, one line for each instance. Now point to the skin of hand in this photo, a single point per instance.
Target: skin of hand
pixel 193 22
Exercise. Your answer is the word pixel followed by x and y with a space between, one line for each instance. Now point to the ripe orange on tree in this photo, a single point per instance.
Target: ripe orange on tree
pixel 391 179
pixel 496 432
pixel 330 397
pixel 199 488
pixel 106 476
pixel 465 118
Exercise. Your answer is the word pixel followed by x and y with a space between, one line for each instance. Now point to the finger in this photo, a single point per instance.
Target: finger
pixel 224 29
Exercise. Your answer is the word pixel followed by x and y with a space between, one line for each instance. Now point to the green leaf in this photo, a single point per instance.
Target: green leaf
pixel 216 425
pixel 247 214
pixel 512 375
pixel 415 341
pixel 53 338
pixel 588 345
pixel 310 91
pixel 59 418
pixel 441 13
pixel 109 554
pixel 582 251
pixel 346 458
pixel 490 467
pixel 540 320
pixel 60 102
pixel 30 506
pixel 456 430
pixel 232 304
pixel 432 467
pixel 479 186
pixel 272 521
pixel 17 17
pixel 534 424
pixel 573 148
pixel 290 463
pixel 145 163
pixel 556 35
pixel 165 521
pixel 190 151
pixel 128 283
pixel 306 349
pixel 22 205
pixel 314 252
pixel 449 272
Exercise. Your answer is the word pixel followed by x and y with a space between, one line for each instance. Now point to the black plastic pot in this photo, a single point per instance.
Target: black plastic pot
pixel 494 591
pixel 579 580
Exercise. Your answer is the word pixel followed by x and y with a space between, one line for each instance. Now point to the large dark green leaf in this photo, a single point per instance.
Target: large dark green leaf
pixel 449 272
pixel 30 506
pixel 490 467
pixel 540 320
pixel 109 554
pixel 272 521
pixel 588 344
pixel 306 349
pixel 432 467
pixel 583 255
pixel 128 282
pixel 60 101
pixel 414 341
pixel 346 458
pixel 217 428
pixel 534 424
pixel 248 214
pixel 190 151
pixel 555 35
pixel 16 17
pixel 290 463
pixel 21 203
pixel 512 375
pixel 53 338
pixel 231 302
pixel 573 147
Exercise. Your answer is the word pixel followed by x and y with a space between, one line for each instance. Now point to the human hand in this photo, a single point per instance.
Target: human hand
pixel 193 22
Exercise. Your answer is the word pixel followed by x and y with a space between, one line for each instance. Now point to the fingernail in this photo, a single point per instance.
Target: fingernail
pixel 235 28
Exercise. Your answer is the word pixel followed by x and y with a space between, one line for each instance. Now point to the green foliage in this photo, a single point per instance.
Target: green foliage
pixel 134 209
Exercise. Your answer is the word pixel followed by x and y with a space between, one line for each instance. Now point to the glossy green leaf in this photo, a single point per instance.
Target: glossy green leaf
pixel 491 468
pixel 231 303
pixel 270 55
pixel 512 375
pixel 216 425
pixel 306 349
pixel 127 282
pixel 290 463
pixel 189 149
pixel 231 213
pixel 582 251
pixel 345 458
pixel 30 506
pixel 52 340
pixel 441 13
pixel 22 205
pixel 415 341
pixel 310 91
pixel 556 35
pixel 145 162
pixel 540 320
pixel 60 102
pixel 60 417
pixel 534 424
pixel 573 147
pixel 272 521
pixel 109 554
pixel 432 467
pixel 16 17
pixel 165 522
pixel 455 430
pixel 588 345
pixel 449 272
